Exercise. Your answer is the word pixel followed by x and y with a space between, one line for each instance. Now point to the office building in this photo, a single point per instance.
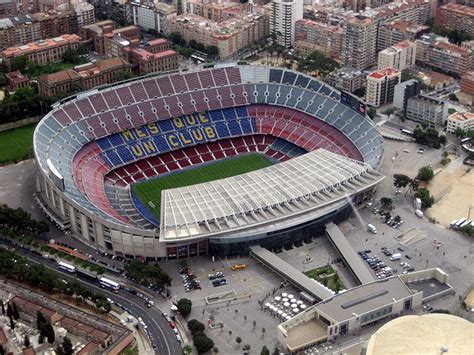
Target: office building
pixel 312 35
pixel 455 17
pixel 403 92
pixel 283 17
pixel 458 120
pixel 83 77
pixel 399 56
pixel 347 79
pixel 437 53
pixel 397 31
pixel 359 40
pixel 43 51
pixel 425 109
pixel 381 86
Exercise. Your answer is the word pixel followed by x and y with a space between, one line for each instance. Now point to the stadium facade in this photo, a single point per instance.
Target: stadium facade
pixel 91 148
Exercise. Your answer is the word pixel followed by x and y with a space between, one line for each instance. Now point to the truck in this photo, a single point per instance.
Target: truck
pixel 236 267
pixel 395 256
pixel 371 228
pixel 419 213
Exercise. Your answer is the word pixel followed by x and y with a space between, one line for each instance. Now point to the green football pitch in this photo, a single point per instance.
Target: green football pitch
pixel 16 144
pixel 149 192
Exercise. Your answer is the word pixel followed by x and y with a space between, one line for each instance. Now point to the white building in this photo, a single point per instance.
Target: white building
pixel 464 121
pixel 426 109
pixel 399 56
pixel 283 16
pixel 155 17
pixel 381 86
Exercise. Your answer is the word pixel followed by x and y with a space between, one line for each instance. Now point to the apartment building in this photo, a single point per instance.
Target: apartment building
pixel 359 41
pixel 42 51
pixel 458 120
pixel 82 77
pixel 318 36
pixel 399 56
pixel 154 18
pixel 347 79
pixel 115 10
pixel 283 17
pixel 229 36
pixel 397 31
pixel 455 17
pixel 425 109
pixel 439 54
pixel 381 86
pixel 403 92
pixel 467 88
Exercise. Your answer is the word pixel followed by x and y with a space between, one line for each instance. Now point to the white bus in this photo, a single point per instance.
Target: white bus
pixel 461 221
pixel 466 223
pixel 68 267
pixel 115 286
pixel 406 131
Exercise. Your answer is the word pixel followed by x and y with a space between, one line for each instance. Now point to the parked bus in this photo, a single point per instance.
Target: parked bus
pixel 465 140
pixel 461 221
pixel 466 223
pixel 115 286
pixel 68 267
pixel 406 131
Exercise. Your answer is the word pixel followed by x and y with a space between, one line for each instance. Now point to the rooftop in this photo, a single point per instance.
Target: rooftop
pixel 462 116
pixel 459 9
pixel 16 76
pixel 40 45
pixel 321 25
pixel 362 299
pixel 405 26
pixel 146 55
pixel 379 74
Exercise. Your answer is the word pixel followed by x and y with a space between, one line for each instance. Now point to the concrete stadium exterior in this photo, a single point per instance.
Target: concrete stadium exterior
pixel 72 167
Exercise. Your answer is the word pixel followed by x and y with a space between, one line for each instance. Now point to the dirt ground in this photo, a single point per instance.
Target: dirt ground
pixel 453 190
pixel 470 299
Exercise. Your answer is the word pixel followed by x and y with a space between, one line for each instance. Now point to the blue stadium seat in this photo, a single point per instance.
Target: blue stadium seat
pixel 289 78
pixel 166 125
pixel 222 130
pixel 302 81
pixel 275 75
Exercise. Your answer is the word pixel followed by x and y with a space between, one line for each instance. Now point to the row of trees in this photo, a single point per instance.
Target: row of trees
pixel 317 61
pixel 17 221
pixel 186 49
pixel 16 267
pixel 147 273
pixel 425 174
pixel 429 136
pixel 201 341
pixel 461 133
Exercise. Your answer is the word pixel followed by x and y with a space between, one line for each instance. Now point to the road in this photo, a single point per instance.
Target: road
pixel 158 327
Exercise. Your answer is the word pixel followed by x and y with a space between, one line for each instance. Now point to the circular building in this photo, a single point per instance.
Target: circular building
pixel 208 161
pixel 433 333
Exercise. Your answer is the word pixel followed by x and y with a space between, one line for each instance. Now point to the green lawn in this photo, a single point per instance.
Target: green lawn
pixel 149 192
pixel 327 276
pixel 16 144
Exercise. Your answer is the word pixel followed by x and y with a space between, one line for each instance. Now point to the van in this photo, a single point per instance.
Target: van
pixel 236 267
pixel 419 213
pixel 395 256
pixel 371 228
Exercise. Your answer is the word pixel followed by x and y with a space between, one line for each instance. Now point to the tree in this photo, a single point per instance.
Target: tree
pixel 202 343
pixel 386 202
pixel 265 351
pixel 371 112
pixel 276 351
pixel 426 199
pixel 400 180
pixel 187 350
pixel 425 174
pixel 215 349
pixel 212 51
pixel 184 306
pixel 442 139
pixel 238 340
pixel 397 219
pixel 192 43
pixel 389 111
pixel 16 314
pixel 19 63
pixel 26 341
pixel 319 62
pixel 176 38
pixel 67 346
pixel 195 326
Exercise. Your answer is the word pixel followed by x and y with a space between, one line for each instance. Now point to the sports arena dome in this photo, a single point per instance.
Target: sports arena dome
pixel 94 149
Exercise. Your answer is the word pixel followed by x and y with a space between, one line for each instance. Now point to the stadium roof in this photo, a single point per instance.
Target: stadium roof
pixel 291 188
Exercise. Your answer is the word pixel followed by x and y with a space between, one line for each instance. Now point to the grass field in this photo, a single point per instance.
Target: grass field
pixel 327 276
pixel 150 191
pixel 16 144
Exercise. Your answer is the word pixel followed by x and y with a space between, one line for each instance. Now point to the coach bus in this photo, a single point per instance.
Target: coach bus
pixel 406 131
pixel 67 267
pixel 106 283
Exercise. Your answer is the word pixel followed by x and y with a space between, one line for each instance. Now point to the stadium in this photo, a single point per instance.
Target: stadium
pixel 202 162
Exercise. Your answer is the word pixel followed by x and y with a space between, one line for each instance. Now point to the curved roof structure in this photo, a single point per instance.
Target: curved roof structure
pixel 426 334
pixel 73 149
pixel 263 196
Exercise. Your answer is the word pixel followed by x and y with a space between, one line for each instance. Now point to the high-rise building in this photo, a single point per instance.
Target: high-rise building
pixel 397 31
pixel 403 92
pixel 455 17
pixel 318 36
pixel 283 17
pixel 359 41
pixel 425 109
pixel 399 56
pixel 381 86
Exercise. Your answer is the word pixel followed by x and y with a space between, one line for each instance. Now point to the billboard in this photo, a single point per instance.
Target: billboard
pixel 353 102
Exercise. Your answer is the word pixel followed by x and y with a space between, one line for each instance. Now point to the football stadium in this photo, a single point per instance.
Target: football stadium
pixel 209 161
